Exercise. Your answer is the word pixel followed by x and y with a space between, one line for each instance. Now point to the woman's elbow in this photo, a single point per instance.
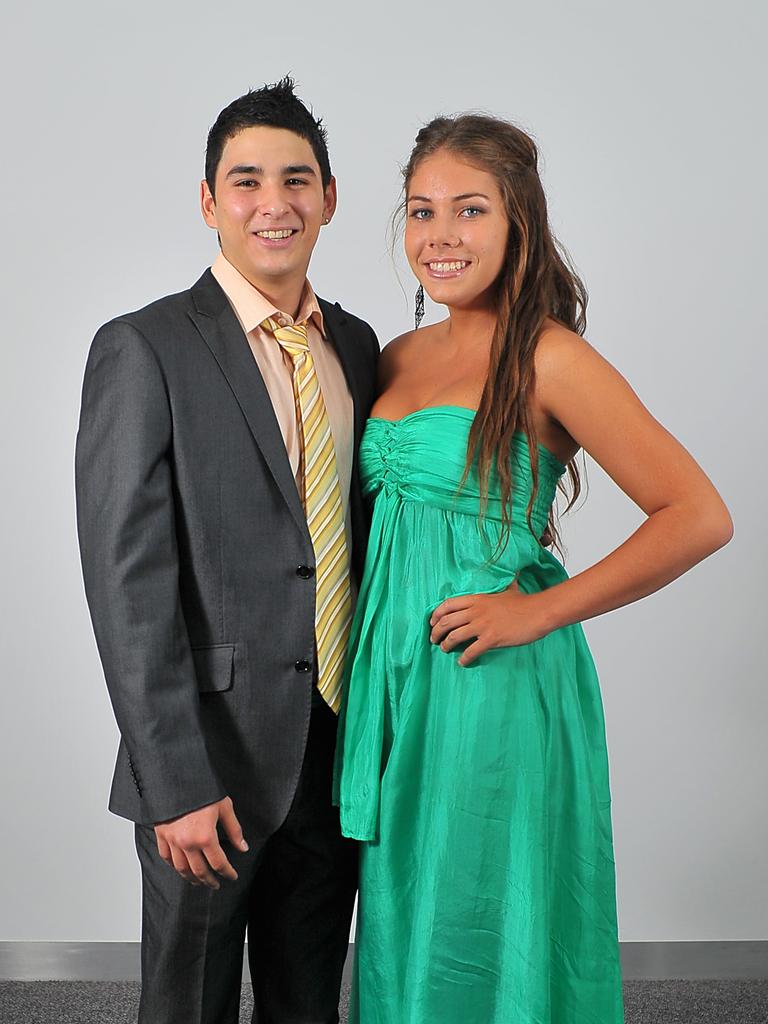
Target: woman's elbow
pixel 717 527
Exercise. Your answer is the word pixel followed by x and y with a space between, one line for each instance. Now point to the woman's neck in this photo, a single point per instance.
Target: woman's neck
pixel 469 329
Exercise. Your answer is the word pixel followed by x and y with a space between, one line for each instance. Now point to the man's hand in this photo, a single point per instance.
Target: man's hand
pixel 190 844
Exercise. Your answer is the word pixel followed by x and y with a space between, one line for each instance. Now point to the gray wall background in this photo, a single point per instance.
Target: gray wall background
pixel 650 119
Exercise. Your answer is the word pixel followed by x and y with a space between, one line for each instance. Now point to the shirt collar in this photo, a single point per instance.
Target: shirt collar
pixel 253 308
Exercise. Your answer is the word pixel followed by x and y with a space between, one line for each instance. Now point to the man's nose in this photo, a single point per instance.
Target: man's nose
pixel 272 201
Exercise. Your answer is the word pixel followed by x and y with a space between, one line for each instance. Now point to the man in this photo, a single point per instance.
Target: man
pixel 221 530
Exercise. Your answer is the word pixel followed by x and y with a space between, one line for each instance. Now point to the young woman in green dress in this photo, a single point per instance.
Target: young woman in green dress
pixel 472 757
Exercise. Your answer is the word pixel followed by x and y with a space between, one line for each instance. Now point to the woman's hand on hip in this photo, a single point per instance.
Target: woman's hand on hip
pixel 485 621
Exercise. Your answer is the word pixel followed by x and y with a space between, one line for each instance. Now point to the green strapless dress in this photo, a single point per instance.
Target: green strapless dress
pixel 480 794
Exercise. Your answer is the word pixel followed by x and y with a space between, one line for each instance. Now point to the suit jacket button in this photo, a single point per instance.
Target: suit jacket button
pixel 305 572
pixel 303 666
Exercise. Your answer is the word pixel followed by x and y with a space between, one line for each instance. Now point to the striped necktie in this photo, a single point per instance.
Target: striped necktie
pixel 321 496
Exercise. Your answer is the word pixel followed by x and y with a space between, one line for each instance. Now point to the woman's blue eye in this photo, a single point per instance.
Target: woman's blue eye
pixel 470 211
pixel 417 214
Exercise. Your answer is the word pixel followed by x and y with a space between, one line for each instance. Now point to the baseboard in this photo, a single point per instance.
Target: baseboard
pixel 693 961
pixel 120 961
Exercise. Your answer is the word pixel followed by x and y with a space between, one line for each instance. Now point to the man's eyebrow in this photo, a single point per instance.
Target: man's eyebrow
pixel 456 199
pixel 244 169
pixel 299 169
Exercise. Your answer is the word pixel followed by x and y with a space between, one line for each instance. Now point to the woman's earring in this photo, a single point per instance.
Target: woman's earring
pixel 419 313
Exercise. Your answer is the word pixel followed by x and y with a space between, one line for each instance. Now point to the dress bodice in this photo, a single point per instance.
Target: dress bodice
pixel 421 457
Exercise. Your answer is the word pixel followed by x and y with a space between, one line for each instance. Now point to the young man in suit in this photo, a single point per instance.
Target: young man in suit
pixel 222 531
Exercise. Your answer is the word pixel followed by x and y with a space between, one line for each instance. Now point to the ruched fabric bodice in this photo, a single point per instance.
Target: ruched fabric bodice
pixel 481 794
pixel 421 458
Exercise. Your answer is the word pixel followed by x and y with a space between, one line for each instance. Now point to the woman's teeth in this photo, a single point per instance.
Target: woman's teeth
pixel 275 234
pixel 441 268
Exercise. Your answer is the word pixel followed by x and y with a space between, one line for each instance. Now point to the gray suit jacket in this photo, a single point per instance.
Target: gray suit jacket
pixel 194 548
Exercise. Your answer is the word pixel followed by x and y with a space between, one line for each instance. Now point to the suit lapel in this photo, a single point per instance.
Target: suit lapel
pixel 338 333
pixel 220 329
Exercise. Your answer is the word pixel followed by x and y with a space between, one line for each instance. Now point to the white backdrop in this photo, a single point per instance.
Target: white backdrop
pixel 651 126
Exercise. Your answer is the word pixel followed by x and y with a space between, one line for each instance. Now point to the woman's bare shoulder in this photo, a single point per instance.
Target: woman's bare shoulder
pixel 402 350
pixel 557 349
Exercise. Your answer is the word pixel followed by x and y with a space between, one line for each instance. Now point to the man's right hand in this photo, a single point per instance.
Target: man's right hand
pixel 190 843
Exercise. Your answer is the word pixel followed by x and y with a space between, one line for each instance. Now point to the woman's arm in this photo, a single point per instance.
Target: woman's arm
pixel 687 519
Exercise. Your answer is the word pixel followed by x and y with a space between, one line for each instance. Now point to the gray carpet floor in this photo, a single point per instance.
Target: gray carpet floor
pixel 647 1002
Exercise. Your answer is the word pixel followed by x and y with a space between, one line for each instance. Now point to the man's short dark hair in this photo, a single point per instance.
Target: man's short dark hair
pixel 275 106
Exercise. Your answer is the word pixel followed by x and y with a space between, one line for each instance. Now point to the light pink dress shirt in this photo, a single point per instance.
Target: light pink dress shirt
pixel 251 309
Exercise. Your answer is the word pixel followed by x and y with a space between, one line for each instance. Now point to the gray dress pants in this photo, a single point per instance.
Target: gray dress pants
pixel 293 897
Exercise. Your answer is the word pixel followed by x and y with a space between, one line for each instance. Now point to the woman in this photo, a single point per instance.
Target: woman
pixel 472 742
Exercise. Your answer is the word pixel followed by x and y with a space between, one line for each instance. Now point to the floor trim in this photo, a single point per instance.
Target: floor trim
pixel 119 961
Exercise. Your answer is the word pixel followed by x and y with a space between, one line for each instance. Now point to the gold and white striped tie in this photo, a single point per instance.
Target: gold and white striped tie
pixel 321 496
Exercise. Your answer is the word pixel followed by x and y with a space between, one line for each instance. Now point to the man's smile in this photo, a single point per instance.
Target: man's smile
pixel 276 238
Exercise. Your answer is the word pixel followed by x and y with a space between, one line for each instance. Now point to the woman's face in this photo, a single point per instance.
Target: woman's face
pixel 456 230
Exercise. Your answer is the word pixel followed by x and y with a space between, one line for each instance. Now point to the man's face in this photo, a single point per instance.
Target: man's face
pixel 269 206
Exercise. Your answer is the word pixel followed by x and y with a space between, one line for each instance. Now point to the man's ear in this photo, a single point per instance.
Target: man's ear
pixel 330 199
pixel 207 205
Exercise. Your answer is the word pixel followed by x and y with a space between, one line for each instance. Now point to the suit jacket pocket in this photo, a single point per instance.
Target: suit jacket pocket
pixel 214 667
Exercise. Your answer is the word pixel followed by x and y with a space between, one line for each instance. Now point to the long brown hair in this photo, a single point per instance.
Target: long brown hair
pixel 537 281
